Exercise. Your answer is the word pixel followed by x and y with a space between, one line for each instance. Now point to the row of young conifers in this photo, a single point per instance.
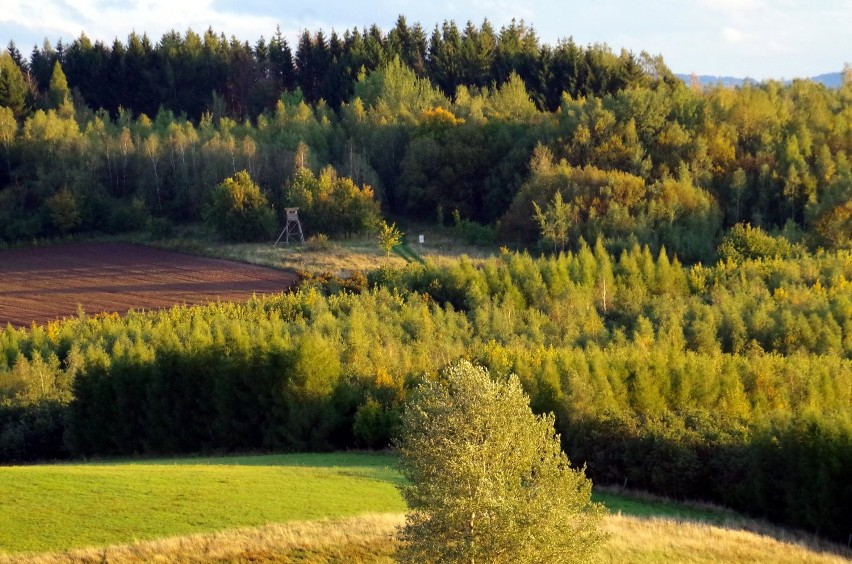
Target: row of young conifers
pixel 730 383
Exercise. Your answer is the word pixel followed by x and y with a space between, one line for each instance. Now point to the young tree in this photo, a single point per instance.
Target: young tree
pixel 8 131
pixel 554 221
pixel 488 479
pixel 332 204
pixel 58 92
pixel 389 237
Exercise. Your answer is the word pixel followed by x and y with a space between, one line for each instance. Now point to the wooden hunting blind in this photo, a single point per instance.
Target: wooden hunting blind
pixel 292 229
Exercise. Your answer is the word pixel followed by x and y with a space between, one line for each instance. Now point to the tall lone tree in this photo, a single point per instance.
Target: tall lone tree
pixel 488 481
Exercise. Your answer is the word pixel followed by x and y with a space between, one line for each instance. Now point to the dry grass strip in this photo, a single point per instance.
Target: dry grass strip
pixel 370 538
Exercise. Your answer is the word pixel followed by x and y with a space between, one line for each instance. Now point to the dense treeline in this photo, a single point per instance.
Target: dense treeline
pixel 731 383
pixel 186 73
pixel 649 160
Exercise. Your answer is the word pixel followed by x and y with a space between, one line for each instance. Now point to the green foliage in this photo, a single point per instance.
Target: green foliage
pixel 58 94
pixel 488 478
pixel 744 242
pixel 376 424
pixel 318 242
pixel 637 155
pixel 688 371
pixel 8 128
pixel 332 204
pixel 834 225
pixel 389 237
pixel 395 92
pixel 239 211
pixel 14 92
pixel 662 375
pixel 64 212
pixel 473 233
pixel 159 228
pixel 613 204
pixel 511 101
pixel 554 222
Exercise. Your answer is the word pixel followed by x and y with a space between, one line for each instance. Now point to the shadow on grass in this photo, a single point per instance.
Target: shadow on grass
pixel 408 253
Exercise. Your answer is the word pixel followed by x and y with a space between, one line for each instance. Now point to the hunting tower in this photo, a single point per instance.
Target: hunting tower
pixel 293 229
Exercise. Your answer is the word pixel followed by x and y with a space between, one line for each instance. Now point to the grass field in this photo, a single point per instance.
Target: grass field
pixel 338 256
pixel 68 506
pixel 303 507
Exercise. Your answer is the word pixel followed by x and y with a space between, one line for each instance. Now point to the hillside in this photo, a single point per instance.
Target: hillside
pixel 330 507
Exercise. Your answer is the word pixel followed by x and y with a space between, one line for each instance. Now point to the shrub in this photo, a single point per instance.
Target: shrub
pixel 744 242
pixel 64 211
pixel 332 204
pixel 238 210
pixel 160 228
pixel 318 242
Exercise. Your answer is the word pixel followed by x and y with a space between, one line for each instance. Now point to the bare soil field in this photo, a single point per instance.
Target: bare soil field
pixel 43 284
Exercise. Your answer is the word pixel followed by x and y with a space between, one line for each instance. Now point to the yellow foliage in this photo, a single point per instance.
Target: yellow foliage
pixel 439 116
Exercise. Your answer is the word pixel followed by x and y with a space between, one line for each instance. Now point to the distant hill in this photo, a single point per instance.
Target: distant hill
pixel 831 80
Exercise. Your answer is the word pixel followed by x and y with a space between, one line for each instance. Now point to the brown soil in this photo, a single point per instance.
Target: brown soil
pixel 43 284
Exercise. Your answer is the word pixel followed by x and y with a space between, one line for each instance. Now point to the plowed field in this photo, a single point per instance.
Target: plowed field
pixel 48 283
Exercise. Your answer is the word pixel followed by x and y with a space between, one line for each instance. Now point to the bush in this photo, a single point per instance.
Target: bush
pixel 332 204
pixel 127 216
pixel 64 211
pixel 160 228
pixel 475 234
pixel 238 210
pixel 744 242
pixel 16 222
pixel 318 242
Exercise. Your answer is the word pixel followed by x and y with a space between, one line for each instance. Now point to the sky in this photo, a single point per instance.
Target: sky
pixel 760 39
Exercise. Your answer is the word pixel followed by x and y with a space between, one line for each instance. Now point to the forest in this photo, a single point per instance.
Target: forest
pixel 673 280
pixel 730 383
pixel 473 122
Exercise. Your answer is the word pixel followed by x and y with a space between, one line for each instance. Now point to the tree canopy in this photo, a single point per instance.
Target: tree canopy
pixel 239 211
pixel 448 120
pixel 488 481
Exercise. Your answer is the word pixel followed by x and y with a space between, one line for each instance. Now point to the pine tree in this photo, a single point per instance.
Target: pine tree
pixel 13 87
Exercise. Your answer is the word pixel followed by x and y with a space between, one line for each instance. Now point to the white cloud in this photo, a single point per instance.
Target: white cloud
pixel 106 20
pixel 502 11
pixel 734 6
pixel 733 35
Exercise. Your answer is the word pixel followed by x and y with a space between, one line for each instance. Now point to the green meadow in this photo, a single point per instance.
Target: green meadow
pixel 57 507
pixel 329 507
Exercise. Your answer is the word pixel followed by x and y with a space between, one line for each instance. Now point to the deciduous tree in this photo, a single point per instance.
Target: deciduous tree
pixel 389 237
pixel 554 221
pixel 239 211
pixel 488 479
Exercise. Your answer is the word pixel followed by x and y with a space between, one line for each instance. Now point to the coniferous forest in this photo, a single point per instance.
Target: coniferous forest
pixel 679 291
